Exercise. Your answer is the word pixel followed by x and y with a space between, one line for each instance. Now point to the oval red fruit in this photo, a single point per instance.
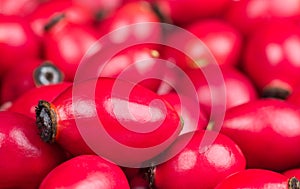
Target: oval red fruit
pixel 141 120
pixel 86 171
pixel 24 158
pixel 197 166
pixel 258 178
pixel 265 129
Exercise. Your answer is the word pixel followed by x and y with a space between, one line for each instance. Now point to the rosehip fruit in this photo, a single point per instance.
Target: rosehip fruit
pixel 185 12
pixel 271 60
pixel 140 120
pixel 86 171
pixel 22 8
pixel 265 129
pixel 197 166
pixel 134 63
pixel 139 16
pixel 247 15
pixel 31 73
pixel 66 43
pixel 258 178
pixel 223 40
pixel 25 158
pixel 26 103
pixel 186 109
pixel 294 172
pixel 239 88
pixel 17 42
pixel 47 11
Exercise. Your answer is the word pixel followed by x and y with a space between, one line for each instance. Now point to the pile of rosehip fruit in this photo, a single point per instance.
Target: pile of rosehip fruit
pixel 242 131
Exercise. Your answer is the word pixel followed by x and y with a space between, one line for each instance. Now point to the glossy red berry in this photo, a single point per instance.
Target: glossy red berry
pixel 17 42
pixel 141 120
pixel 26 103
pixel 239 88
pixel 265 129
pixel 86 171
pixel 259 178
pixel 247 15
pixel 294 172
pixel 139 16
pixel 66 43
pixel 24 158
pixel 42 16
pixel 273 65
pixel 186 109
pixel 223 40
pixel 185 12
pixel 31 73
pixel 197 166
pixel 136 64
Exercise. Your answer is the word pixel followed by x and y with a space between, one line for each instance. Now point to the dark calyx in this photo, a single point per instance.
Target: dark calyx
pixel 46 121
pixel 275 93
pixel 294 183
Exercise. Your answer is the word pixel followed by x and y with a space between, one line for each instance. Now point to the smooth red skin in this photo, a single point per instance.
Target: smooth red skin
pixel 187 113
pixel 133 13
pixel 255 178
pixel 57 42
pixel 265 129
pixel 24 158
pixel 125 65
pixel 139 182
pixel 238 88
pixel 191 168
pixel 294 172
pixel 247 15
pixel 86 171
pixel 17 42
pixel 270 57
pixel 26 103
pixel 222 39
pixel 99 6
pixel 294 97
pixel 47 11
pixel 68 135
pixel 185 12
pixel 22 8
pixel 11 86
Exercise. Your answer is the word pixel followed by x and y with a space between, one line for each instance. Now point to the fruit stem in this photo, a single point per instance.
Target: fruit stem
pixel 54 21
pixel 46 121
pixel 294 183
pixel 275 93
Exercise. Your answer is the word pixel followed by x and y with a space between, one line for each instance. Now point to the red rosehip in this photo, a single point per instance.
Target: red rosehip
pixel 186 109
pixel 86 171
pixel 185 12
pixel 271 58
pixel 139 16
pixel 25 158
pixel 265 129
pixel 196 165
pixel 247 15
pixel 258 178
pixel 142 120
pixel 239 88
pixel 26 103
pixel 17 42
pixel 66 43
pixel 47 11
pixel 133 64
pixel 294 172
pixel 223 40
pixel 31 73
